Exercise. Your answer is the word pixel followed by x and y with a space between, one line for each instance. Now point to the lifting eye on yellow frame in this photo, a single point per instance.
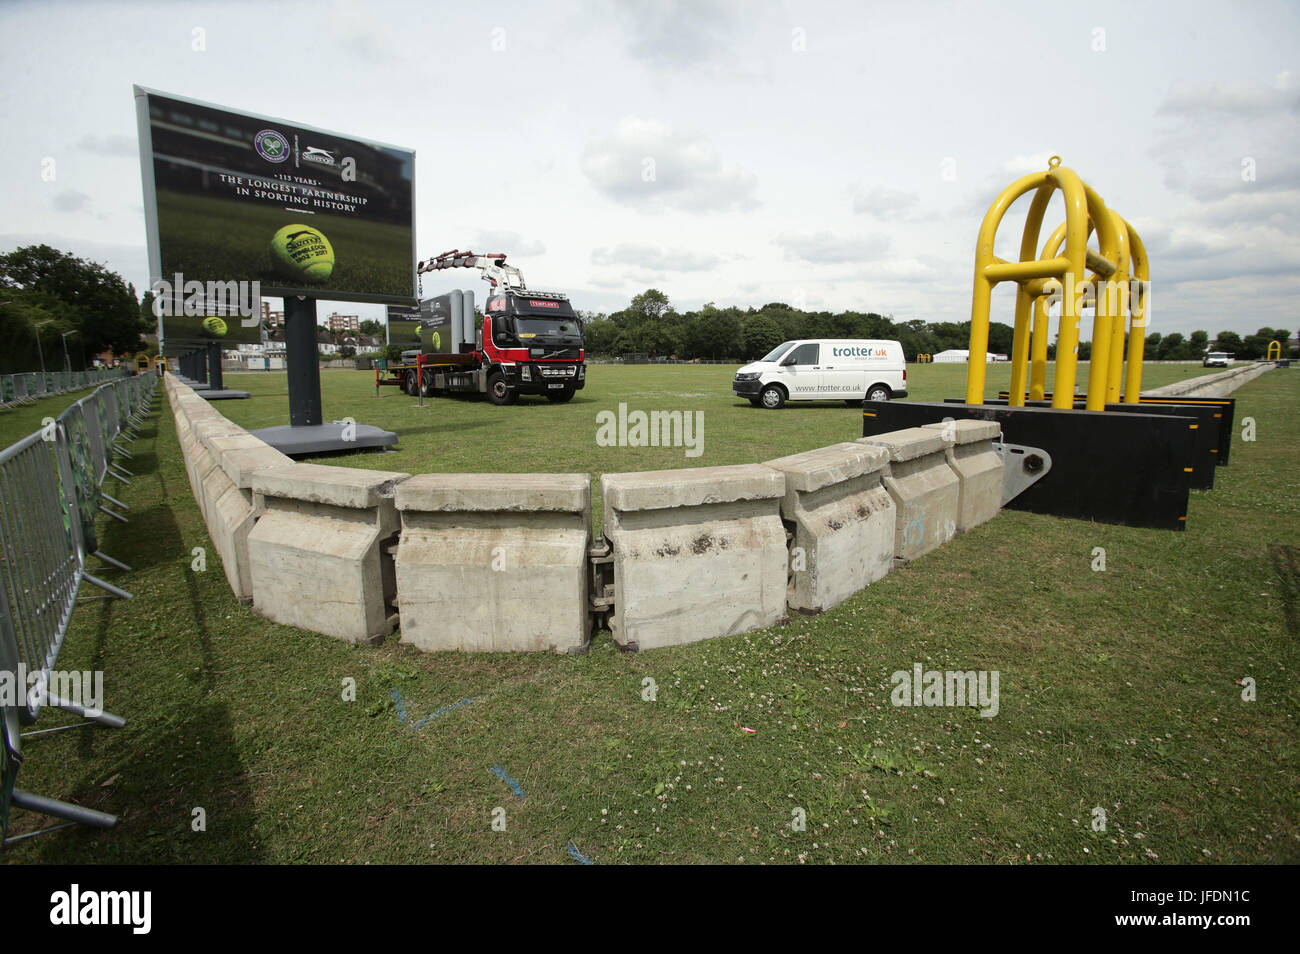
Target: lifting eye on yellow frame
pixel 1055 275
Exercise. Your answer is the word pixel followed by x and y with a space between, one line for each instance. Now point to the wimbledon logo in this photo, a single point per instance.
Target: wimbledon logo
pixel 271 146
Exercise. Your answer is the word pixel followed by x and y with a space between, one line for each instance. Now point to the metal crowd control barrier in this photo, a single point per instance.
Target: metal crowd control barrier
pixel 50 492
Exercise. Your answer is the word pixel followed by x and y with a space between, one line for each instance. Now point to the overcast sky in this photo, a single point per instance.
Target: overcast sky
pixel 830 155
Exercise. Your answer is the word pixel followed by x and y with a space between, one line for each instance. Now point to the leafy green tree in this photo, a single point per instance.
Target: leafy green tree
pixel 1198 344
pixel 1228 341
pixel 1152 346
pixel 1173 348
pixel 599 335
pixel 102 307
pixel 759 335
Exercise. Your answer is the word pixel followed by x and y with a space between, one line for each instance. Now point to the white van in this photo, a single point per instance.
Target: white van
pixel 824 369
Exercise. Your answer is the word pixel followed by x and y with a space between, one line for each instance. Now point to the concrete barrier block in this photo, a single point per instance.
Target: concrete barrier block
pixel 240 454
pixel 843 521
pixel 697 553
pixel 978 468
pixel 231 518
pixel 317 554
pixel 494 562
pixel 923 486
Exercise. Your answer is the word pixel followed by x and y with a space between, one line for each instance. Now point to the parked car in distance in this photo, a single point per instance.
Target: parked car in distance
pixel 1216 359
pixel 824 369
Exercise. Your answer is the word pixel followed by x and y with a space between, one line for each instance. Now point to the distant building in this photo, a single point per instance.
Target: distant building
pixel 343 323
pixel 961 356
pixel 271 319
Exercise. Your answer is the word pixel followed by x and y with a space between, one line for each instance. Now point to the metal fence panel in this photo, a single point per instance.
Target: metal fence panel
pixel 40 560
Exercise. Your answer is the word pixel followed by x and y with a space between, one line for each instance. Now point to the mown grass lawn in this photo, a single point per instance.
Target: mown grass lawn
pixel 1119 689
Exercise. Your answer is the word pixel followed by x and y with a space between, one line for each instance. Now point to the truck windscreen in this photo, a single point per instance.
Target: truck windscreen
pixel 551 328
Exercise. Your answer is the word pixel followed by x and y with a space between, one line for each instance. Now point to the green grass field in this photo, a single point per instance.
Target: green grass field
pixel 1119 689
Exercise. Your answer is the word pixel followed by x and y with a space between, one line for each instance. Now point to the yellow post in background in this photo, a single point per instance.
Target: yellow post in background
pixel 1274 351
pixel 1116 290
pixel 1139 309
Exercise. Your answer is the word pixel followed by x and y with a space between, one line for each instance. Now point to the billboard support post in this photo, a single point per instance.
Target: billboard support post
pixel 304 368
pixel 215 382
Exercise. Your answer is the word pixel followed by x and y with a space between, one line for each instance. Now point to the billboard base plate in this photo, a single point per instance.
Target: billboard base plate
pixel 309 439
pixel 223 394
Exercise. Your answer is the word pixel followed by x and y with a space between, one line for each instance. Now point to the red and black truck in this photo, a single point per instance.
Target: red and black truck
pixel 527 342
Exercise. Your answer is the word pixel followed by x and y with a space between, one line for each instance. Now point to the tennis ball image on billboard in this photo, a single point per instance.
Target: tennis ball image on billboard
pixel 215 325
pixel 233 196
pixel 303 253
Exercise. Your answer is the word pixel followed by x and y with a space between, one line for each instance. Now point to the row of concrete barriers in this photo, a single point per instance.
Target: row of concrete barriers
pixel 505 562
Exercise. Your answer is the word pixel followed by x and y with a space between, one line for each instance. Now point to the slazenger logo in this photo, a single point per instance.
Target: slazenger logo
pixel 75 907
pixel 271 146
pixel 317 154
pixel 858 352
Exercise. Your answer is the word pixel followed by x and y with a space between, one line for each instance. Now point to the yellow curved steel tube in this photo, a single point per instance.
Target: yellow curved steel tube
pixel 1048 274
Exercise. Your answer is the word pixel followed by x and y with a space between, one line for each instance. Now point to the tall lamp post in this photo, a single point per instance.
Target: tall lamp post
pixel 67 362
pixel 40 352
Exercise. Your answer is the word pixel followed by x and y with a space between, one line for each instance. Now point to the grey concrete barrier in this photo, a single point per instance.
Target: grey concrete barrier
pixel 318 552
pixel 924 489
pixel 1214 385
pixel 843 521
pixel 697 553
pixel 494 562
pixel 978 468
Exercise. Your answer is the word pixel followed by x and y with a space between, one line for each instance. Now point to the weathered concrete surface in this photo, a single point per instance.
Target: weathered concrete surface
pixel 494 562
pixel 317 554
pixel 843 521
pixel 697 553
pixel 978 468
pixel 240 454
pixel 1214 385
pixel 924 489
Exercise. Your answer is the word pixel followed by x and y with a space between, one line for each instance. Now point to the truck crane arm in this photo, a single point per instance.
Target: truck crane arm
pixel 496 272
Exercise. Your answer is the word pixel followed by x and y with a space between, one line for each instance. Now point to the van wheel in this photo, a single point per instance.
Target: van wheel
pixel 773 397
pixel 498 392
pixel 878 392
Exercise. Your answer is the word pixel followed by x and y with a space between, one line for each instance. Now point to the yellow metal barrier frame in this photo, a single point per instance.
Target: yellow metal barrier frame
pixel 1133 267
pixel 1049 276
pixel 923 358
pixel 1274 346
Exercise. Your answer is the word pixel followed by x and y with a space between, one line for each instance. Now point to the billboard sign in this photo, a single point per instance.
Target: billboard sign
pixel 403 320
pixel 237 197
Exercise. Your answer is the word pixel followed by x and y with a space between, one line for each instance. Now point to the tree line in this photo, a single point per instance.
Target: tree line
pixel 56 301
pixel 650 325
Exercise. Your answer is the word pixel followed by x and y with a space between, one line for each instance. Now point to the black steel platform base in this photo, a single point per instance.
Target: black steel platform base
pixel 223 394
pixel 324 438
pixel 1131 469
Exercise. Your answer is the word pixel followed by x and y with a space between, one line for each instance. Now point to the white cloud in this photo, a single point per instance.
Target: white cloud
pixel 654 257
pixel 511 243
pixel 647 163
pixel 822 248
pixel 71 200
pixel 125 147
pixel 882 202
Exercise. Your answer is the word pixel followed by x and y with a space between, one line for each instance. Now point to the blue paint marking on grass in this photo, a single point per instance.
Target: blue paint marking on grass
pixel 578 856
pixel 401 710
pixel 433 715
pixel 500 773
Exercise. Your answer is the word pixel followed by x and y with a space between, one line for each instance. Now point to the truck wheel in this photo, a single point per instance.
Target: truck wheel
pixel 773 397
pixel 498 392
pixel 408 383
pixel 560 397
pixel 878 392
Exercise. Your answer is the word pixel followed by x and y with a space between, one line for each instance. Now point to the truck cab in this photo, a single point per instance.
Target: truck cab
pixel 532 344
